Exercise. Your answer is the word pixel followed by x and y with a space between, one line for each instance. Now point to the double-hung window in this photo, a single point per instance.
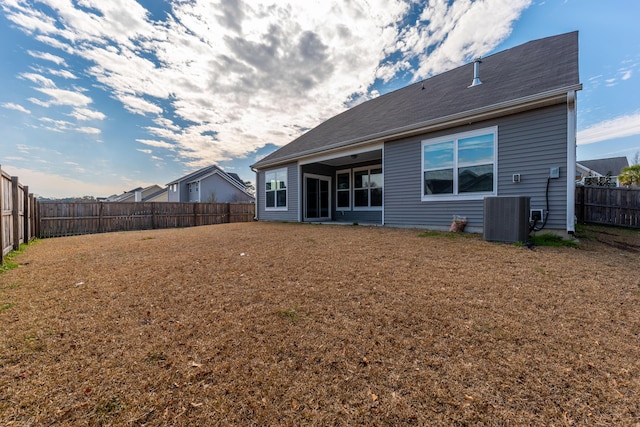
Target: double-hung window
pixel 461 166
pixel 276 189
pixel 367 188
pixel 343 189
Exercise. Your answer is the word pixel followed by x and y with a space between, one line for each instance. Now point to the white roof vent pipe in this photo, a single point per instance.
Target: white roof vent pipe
pixel 476 73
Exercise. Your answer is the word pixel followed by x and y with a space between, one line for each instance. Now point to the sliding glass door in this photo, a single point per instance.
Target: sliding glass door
pixel 317 198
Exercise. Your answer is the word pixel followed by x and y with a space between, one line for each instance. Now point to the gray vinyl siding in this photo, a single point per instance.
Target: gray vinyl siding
pixel 217 189
pixel 293 204
pixel 528 143
pixel 364 217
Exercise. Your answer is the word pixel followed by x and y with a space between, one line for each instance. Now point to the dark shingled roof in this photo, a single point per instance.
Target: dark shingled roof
pixel 612 165
pixel 523 71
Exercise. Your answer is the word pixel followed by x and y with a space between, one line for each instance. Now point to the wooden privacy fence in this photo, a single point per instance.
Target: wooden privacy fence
pixel 58 219
pixel 18 214
pixel 608 205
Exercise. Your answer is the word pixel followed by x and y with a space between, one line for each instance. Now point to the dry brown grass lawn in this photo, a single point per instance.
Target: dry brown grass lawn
pixel 293 324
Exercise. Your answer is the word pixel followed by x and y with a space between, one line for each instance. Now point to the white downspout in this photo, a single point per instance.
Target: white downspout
pixel 571 160
pixel 383 183
pixel 255 207
pixel 301 200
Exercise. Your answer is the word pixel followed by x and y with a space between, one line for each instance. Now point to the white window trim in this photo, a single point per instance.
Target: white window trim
pixel 264 189
pixel 348 191
pixel 455 138
pixel 353 189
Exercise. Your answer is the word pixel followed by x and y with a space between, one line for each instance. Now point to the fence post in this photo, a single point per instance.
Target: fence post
pixel 2 230
pixel 195 214
pixel 100 217
pixel 27 214
pixel 34 215
pixel 580 204
pixel 15 211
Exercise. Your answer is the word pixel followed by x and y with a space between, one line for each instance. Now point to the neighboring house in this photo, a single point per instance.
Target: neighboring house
pixel 415 157
pixel 152 193
pixel 210 184
pixel 602 172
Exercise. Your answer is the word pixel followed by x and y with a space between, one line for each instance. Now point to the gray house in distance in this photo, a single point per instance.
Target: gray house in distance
pixel 601 170
pixel 209 185
pixel 504 125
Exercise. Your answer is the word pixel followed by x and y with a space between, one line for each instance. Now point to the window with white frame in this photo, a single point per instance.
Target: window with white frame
pixel 343 189
pixel 193 187
pixel 367 187
pixel 276 189
pixel 459 166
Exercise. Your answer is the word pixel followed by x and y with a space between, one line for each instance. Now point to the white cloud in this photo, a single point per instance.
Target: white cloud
pixel 157 144
pixel 459 31
pixel 138 105
pixel 17 107
pixel 87 114
pixel 47 57
pixel 23 148
pixel 64 97
pixel 62 73
pixel 88 130
pixel 64 125
pixel 618 127
pixel 38 79
pixel 38 102
pixel 222 79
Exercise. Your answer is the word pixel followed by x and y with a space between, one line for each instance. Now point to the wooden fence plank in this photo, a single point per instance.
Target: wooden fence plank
pixel 57 219
pixel 608 205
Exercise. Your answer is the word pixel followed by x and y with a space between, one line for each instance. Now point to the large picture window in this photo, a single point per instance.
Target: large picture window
pixel 459 166
pixel 276 189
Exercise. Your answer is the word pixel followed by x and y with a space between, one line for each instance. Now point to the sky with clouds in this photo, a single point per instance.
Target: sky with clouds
pixel 99 97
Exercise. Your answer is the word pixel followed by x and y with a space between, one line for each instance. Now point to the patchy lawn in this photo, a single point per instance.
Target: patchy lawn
pixel 294 324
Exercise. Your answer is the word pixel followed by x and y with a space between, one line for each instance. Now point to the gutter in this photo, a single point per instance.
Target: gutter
pixel 542 99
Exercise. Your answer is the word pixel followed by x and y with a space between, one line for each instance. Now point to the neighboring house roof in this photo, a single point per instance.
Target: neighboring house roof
pixel 129 196
pixel 195 174
pixel 604 167
pixel 158 196
pixel 528 73
pixel 236 177
pixel 208 171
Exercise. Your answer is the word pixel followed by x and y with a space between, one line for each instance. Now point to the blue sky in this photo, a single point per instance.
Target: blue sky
pixel 99 97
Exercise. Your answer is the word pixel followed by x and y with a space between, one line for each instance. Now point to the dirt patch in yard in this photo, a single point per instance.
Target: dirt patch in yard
pixel 295 324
